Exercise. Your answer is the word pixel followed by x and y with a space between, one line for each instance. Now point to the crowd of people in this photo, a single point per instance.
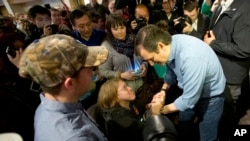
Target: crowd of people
pixel 126 70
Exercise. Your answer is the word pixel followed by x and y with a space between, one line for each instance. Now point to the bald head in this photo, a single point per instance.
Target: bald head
pixel 141 11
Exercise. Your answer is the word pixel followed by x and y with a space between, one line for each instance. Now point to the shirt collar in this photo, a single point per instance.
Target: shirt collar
pixel 172 51
pixel 226 4
pixel 195 24
pixel 59 106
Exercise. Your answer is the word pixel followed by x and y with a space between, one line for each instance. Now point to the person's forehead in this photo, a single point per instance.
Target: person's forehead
pixel 142 11
pixel 170 1
pixel 42 16
pixel 118 26
pixel 55 12
pixel 112 4
pixel 83 19
pixel 143 52
pixel 121 84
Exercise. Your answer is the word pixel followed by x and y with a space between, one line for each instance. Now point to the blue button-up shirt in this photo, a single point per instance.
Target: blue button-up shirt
pixel 196 69
pixel 57 121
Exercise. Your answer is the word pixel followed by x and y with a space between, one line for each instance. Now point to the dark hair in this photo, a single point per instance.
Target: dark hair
pixel 37 9
pixel 113 20
pixel 149 36
pixel 64 13
pixel 83 7
pixel 190 5
pixel 78 13
pixel 95 17
pixel 162 24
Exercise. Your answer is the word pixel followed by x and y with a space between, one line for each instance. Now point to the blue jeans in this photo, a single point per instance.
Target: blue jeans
pixel 208 111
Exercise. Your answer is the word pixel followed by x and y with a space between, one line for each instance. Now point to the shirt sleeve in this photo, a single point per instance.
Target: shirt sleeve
pixel 193 72
pixel 206 9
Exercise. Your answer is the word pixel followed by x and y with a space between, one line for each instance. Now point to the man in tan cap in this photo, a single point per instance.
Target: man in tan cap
pixel 64 68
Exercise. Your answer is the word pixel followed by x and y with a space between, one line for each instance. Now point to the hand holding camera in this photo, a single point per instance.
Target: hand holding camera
pixel 187 29
pixel 138 23
pixel 181 23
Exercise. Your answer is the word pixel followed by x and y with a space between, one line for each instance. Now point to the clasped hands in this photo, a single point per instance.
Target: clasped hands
pixel 157 103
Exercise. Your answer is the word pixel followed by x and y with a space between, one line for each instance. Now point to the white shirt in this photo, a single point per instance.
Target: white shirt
pixel 224 5
pixel 195 24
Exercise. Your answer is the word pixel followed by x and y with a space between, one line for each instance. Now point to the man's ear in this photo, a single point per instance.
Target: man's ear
pixel 68 84
pixel 160 46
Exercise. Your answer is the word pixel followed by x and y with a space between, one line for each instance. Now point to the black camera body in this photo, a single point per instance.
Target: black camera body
pixel 179 27
pixel 141 22
pixel 11 51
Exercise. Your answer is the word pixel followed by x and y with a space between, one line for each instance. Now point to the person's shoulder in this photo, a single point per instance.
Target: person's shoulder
pixel 100 34
pixel 183 40
pixel 204 16
pixel 98 31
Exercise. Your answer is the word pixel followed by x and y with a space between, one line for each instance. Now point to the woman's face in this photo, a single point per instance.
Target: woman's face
pixel 125 93
pixel 119 32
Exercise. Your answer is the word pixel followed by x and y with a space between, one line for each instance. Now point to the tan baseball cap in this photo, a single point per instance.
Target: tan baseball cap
pixel 50 60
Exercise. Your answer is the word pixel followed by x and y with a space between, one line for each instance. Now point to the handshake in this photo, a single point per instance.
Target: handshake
pixel 156 106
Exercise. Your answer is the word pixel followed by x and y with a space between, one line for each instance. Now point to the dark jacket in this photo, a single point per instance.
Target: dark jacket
pixel 175 15
pixel 202 26
pixel 122 125
pixel 232 44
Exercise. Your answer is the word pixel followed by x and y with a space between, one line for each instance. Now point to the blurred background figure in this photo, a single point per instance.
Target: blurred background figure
pixel 112 9
pixel 96 7
pixel 192 23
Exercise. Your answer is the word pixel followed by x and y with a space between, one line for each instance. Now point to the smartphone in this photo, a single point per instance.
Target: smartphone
pixel 136 73
pixel 11 52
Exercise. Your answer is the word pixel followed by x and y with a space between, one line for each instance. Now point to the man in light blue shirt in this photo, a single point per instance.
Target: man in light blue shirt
pixel 195 68
pixel 64 68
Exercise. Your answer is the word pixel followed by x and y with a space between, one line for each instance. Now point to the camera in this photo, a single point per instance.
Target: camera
pixel 141 21
pixel 11 51
pixel 179 27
